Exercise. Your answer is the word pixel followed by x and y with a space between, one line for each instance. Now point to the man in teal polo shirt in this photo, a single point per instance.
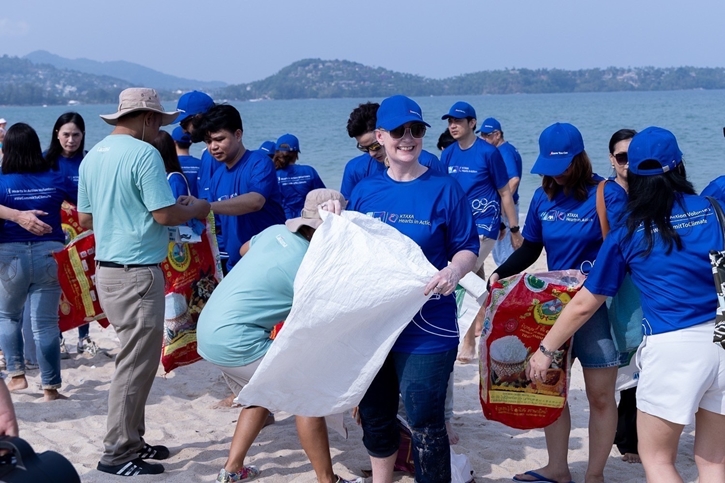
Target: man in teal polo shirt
pixel 124 196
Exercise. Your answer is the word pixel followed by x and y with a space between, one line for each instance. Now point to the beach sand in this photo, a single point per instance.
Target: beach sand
pixel 180 414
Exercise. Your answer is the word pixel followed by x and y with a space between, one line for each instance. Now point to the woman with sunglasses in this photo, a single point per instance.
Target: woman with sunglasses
pixel 562 218
pixel 664 245
pixel 431 209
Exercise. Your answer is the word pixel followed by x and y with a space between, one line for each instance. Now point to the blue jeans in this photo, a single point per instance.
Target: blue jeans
pixel 421 380
pixel 29 272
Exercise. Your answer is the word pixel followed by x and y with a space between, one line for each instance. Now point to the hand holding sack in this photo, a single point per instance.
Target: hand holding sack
pixel 519 313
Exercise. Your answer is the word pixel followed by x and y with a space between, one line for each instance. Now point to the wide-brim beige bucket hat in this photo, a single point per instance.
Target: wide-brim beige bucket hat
pixel 137 99
pixel 310 213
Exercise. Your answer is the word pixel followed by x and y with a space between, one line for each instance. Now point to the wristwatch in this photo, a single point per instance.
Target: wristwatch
pixel 514 229
pixel 546 352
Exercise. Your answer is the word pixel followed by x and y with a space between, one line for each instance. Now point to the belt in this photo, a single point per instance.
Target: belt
pixel 130 265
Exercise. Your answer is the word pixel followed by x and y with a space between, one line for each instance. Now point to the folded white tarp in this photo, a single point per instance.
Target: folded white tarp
pixel 359 285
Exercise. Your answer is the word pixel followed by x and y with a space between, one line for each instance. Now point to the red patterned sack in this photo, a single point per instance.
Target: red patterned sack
pixel 520 311
pixel 77 274
pixel 69 222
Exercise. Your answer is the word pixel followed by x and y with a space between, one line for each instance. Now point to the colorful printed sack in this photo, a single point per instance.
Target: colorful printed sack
pixel 519 313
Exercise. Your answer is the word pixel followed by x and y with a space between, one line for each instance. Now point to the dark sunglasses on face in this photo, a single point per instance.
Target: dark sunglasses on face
pixel 417 130
pixel 621 158
pixel 373 148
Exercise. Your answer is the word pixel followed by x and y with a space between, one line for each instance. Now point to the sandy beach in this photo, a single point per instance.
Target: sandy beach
pixel 180 414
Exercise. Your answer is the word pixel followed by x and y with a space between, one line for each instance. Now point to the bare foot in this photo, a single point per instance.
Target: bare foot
pixel 17 383
pixel 467 354
pixel 227 402
pixel 52 395
pixel 631 458
pixel 452 435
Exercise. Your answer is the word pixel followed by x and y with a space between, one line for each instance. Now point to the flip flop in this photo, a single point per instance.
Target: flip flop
pixel 538 478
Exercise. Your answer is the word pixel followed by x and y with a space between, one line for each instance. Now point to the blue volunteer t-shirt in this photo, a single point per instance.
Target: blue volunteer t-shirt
pixel 481 172
pixel 190 167
pixel 207 167
pixel 433 212
pixel 676 288
pixel 254 172
pixel 716 189
pixel 295 181
pixel 35 191
pixel 514 165
pixel 615 199
pixel 362 166
pixel 179 186
pixel 568 228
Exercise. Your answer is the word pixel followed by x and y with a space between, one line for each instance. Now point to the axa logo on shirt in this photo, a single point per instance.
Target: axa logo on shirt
pixel 461 169
pixel 394 218
pixel 554 215
pixel 227 197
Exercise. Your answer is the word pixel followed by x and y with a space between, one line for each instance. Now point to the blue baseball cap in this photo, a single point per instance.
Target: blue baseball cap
pixel 460 110
pixel 193 103
pixel 558 145
pixel 490 125
pixel 180 136
pixel 653 144
pixel 268 147
pixel 288 143
pixel 398 110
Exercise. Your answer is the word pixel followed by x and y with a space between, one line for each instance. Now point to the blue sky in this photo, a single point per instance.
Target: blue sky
pixel 244 40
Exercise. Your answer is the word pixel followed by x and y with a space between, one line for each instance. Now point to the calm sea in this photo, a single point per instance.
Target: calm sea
pixel 696 117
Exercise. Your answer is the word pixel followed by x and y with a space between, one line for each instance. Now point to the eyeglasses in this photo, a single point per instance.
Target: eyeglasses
pixel 621 158
pixel 488 135
pixel 373 148
pixel 417 130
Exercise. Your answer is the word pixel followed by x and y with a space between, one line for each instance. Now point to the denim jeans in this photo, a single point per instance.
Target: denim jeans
pixel 28 339
pixel 422 381
pixel 29 272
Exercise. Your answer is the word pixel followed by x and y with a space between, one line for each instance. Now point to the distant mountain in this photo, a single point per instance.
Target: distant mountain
pixel 25 83
pixel 134 74
pixel 316 78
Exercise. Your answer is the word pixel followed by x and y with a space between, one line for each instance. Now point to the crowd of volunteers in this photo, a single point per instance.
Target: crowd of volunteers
pixel 653 229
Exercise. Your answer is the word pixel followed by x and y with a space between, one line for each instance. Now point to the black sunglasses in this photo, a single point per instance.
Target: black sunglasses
pixel 417 130
pixel 621 158
pixel 373 148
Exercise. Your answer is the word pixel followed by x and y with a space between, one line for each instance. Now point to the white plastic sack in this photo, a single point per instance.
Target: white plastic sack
pixel 461 469
pixel 360 283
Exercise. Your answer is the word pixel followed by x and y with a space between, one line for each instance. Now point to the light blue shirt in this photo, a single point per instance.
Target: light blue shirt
pixel 234 326
pixel 121 181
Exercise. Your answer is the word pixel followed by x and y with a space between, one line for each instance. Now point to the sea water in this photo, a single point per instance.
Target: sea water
pixel 695 117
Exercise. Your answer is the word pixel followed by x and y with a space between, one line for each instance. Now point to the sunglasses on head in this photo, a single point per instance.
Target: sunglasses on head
pixel 621 158
pixel 417 130
pixel 372 148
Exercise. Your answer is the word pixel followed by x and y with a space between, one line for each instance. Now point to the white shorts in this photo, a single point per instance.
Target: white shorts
pixel 681 371
pixel 239 376
pixel 483 252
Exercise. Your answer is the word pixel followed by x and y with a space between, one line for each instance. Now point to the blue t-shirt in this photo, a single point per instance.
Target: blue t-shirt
pixel 433 212
pixel 362 166
pixel 481 172
pixel 190 167
pixel 677 288
pixel 35 191
pixel 122 180
pixel 178 183
pixel 514 165
pixel 295 181
pixel 234 327
pixel 568 228
pixel 254 172
pixel 208 165
pixel 615 199
pixel 716 189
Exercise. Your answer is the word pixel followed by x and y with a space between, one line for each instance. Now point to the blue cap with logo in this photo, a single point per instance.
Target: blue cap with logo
pixel 180 136
pixel 558 144
pixel 269 147
pixel 653 144
pixel 288 143
pixel 398 110
pixel 193 103
pixel 490 125
pixel 460 110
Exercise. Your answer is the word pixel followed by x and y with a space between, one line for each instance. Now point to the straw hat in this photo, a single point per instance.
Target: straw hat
pixel 137 99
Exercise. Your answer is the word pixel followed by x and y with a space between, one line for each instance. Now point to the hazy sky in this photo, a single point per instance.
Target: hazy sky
pixel 244 40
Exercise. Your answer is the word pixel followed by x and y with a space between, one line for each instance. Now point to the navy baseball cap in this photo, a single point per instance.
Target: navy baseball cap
pixel 180 136
pixel 193 103
pixel 398 110
pixel 289 143
pixel 490 125
pixel 268 147
pixel 460 110
pixel 558 145
pixel 653 144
